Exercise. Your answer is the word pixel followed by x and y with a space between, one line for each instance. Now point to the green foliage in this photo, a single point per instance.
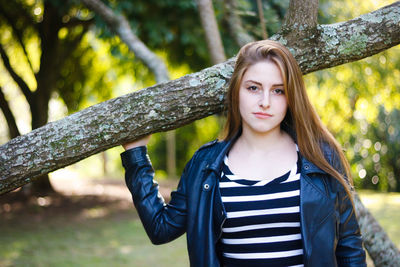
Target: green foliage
pixel 171 26
pixel 175 28
pixel 360 102
pixel 274 12
pixel 188 139
pixel 377 150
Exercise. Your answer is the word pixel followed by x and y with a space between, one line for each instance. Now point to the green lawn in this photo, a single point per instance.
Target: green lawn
pixel 112 236
pixel 104 235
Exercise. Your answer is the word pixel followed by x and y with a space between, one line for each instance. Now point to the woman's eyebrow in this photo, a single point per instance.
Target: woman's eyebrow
pixel 251 81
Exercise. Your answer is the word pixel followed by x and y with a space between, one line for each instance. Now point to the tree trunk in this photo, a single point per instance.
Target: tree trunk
pixel 236 29
pixel 210 26
pixel 379 246
pixel 261 17
pixel 302 14
pixel 41 186
pixel 171 154
pixel 173 104
pixel 46 79
pixel 104 159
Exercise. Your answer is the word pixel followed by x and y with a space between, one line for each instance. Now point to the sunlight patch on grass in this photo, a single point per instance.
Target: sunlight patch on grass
pixel 92 242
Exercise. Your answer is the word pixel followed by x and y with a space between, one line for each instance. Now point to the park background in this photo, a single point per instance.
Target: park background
pixel 91 221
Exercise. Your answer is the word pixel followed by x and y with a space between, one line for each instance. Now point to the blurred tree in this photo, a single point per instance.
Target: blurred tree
pixel 235 24
pixel 213 37
pixel 58 30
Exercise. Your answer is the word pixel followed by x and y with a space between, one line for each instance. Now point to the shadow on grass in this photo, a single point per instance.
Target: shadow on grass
pixel 15 209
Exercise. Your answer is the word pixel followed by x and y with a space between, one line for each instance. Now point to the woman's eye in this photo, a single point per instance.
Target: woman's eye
pixel 252 88
pixel 278 91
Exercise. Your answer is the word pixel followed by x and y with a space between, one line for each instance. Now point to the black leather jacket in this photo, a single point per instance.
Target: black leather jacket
pixel 330 232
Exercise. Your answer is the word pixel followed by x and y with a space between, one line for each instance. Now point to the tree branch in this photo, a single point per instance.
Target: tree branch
pixel 121 27
pixel 12 125
pixel 335 44
pixel 20 82
pixel 76 22
pixel 176 103
pixel 301 14
pixel 18 35
pixel 18 11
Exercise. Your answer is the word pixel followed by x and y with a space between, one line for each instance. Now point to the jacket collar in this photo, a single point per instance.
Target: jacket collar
pixel 222 150
pixel 307 167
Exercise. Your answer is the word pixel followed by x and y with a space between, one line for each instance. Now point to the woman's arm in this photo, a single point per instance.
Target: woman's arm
pixel 162 222
pixel 349 250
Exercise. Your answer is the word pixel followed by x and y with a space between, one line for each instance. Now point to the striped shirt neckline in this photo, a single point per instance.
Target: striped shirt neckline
pixel 263 219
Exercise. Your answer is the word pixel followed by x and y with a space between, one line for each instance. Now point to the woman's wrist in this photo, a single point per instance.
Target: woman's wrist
pixel 137 143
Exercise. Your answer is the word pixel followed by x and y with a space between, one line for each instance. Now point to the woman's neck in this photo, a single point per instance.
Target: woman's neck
pixel 255 142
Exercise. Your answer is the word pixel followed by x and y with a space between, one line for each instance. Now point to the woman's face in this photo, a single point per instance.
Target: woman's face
pixel 262 100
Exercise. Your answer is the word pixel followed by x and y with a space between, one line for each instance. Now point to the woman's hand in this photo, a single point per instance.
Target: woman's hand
pixel 140 142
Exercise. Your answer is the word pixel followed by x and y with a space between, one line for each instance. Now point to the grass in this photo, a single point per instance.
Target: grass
pixel 100 242
pixel 112 235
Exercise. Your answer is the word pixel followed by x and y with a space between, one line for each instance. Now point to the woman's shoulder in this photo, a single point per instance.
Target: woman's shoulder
pixel 206 149
pixel 330 153
pixel 209 144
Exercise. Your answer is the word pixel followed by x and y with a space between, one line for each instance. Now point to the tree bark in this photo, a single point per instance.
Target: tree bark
pixel 210 26
pixel 53 55
pixel 173 104
pixel 326 46
pixel 120 26
pixel 302 14
pixel 379 246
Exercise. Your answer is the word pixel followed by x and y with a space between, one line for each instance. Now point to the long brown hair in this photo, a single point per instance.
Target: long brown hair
pixel 301 120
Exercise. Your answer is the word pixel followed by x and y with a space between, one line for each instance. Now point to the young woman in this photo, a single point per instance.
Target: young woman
pixel 275 192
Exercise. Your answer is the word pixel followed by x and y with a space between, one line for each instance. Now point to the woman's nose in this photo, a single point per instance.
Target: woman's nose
pixel 264 100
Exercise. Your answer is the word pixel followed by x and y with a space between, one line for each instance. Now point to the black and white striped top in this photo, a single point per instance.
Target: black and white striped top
pixel 263 220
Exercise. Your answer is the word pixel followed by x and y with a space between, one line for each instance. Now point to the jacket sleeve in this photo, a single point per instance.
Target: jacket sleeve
pixel 162 222
pixel 349 250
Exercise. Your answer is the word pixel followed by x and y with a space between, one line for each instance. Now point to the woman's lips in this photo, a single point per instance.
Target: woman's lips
pixel 262 115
